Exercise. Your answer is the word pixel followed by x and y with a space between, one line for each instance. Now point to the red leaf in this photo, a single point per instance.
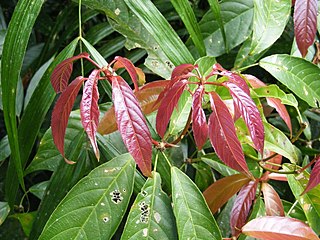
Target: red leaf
pixel 277 159
pixel 61 74
pixel 250 114
pixel 278 177
pixel 314 179
pixel 218 193
pixel 167 106
pixel 284 228
pixel 273 102
pixel 199 122
pixel 182 69
pixel 132 124
pixel 89 109
pixel 305 23
pixel 272 201
pixel 223 136
pixel 242 206
pixel 61 112
pixel 128 65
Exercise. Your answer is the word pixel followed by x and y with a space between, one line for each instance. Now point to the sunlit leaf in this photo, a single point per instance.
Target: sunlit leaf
pixel 26 220
pixel 271 228
pixel 272 201
pixel 128 65
pixel 4 211
pixel 193 216
pixel 314 176
pixel 218 193
pixel 151 214
pixel 305 23
pixel 89 109
pixel 94 207
pixel 223 136
pixel 132 124
pixel 242 206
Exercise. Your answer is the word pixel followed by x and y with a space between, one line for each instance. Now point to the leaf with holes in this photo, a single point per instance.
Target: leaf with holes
pixel 305 23
pixel 61 112
pixel 151 214
pixel 89 109
pixel 314 176
pixel 249 113
pixel 94 207
pixel 167 106
pixel 272 201
pixel 193 217
pixel 223 136
pixel 218 193
pixel 61 74
pixel 199 121
pixel 242 206
pixel 132 124
pixel 285 228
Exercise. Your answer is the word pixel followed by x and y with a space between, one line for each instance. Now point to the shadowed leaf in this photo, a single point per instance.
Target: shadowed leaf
pixel 132 124
pixel 285 228
pixel 218 193
pixel 272 201
pixel 314 176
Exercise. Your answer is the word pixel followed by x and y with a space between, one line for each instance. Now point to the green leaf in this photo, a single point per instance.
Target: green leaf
pixel 94 207
pixel 4 148
pixel 204 177
pixel 276 141
pixel 14 48
pixel 237 17
pixel 26 220
pixel 193 217
pixel 151 214
pixel 213 161
pixel 39 189
pixel 295 210
pixel 4 211
pixel 310 201
pixel 188 17
pixel 299 75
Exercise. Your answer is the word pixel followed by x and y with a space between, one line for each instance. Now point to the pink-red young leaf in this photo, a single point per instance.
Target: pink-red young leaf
pixel 314 179
pixel 199 122
pixel 223 136
pixel 284 228
pixel 278 177
pixel 305 24
pixel 61 74
pixel 168 103
pixel 61 112
pixel 242 206
pixel 128 65
pixel 272 201
pixel 273 158
pixel 132 124
pixel 250 114
pixel 182 69
pixel 89 109
pixel 218 193
pixel 273 102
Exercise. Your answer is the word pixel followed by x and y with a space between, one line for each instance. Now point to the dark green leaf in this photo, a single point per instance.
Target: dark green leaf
pixel 39 189
pixel 4 148
pixel 26 220
pixel 213 161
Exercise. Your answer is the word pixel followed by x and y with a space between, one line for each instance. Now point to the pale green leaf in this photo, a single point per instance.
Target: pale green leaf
pixel 213 161
pixel 4 211
pixel 39 189
pixel 4 148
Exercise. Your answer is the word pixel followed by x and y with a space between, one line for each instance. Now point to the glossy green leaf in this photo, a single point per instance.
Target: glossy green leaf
pixel 14 48
pixel 294 211
pixel 39 189
pixel 193 217
pixel 163 168
pixel 188 17
pixel 204 177
pixel 310 201
pixel 151 214
pixel 94 207
pixel 223 218
pixel 299 75
pixel 4 211
pixel 4 148
pixel 237 17
pixel 26 220
pixel 276 141
pixel 213 161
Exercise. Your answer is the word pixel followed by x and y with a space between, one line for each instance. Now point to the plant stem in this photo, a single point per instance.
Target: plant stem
pixel 246 67
pixel 164 155
pixel 80 36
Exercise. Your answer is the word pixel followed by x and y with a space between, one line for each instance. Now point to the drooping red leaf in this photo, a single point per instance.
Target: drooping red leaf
pixel 284 228
pixel 182 69
pixel 61 74
pixel 168 103
pixel 223 136
pixel 242 206
pixel 250 114
pixel 272 201
pixel 89 109
pixel 305 24
pixel 128 65
pixel 273 102
pixel 147 96
pixel 314 179
pixel 199 122
pixel 218 193
pixel 61 112
pixel 132 124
